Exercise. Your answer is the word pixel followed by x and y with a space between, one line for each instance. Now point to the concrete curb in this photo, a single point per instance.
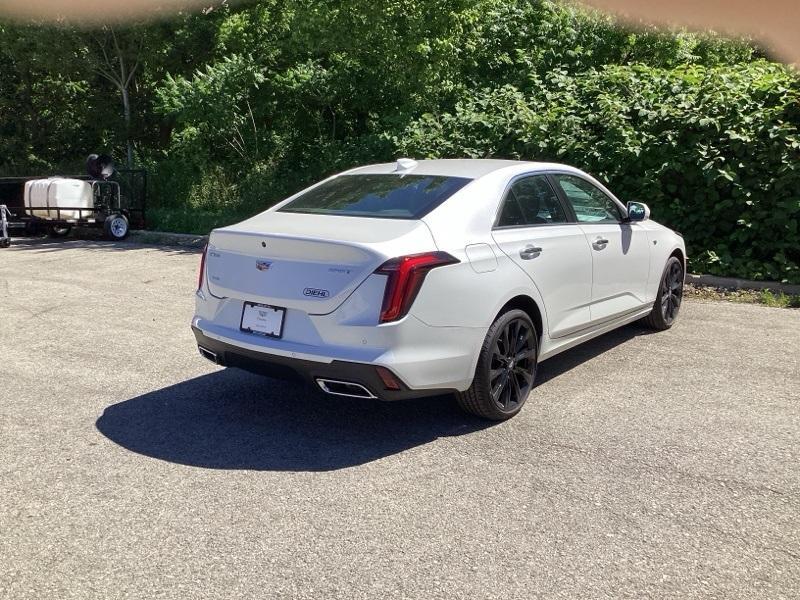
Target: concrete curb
pixel 730 283
pixel 163 238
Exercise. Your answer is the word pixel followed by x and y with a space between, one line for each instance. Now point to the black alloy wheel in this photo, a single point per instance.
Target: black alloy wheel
pixel 669 298
pixel 671 292
pixel 513 365
pixel 506 369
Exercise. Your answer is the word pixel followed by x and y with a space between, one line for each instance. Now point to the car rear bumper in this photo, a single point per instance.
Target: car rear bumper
pixel 309 371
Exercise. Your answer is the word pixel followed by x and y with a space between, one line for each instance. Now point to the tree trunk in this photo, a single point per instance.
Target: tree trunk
pixel 126 108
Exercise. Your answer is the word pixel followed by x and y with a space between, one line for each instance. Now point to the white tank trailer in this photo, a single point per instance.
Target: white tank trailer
pixel 48 197
pixel 59 203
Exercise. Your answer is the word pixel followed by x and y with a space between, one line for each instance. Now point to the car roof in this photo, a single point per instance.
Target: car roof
pixel 471 168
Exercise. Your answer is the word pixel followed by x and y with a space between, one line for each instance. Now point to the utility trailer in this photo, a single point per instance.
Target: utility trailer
pixel 57 204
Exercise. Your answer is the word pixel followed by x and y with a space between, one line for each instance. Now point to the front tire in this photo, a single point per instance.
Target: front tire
pixel 58 232
pixel 669 298
pixel 506 368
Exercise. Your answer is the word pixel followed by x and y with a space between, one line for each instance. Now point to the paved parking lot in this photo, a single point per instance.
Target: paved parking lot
pixel 644 465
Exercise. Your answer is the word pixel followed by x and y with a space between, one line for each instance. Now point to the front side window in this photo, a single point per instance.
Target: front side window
pixel 531 201
pixel 590 203
pixel 389 196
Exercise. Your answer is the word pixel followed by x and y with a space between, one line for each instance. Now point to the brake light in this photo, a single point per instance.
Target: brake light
pixel 406 275
pixel 202 272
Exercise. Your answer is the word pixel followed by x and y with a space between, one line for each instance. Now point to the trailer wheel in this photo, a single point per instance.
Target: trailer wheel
pixel 58 232
pixel 116 227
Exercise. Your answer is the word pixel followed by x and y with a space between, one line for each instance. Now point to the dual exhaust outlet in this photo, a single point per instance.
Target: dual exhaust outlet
pixel 334 387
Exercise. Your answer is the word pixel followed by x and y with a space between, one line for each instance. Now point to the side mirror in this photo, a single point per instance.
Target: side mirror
pixel 638 211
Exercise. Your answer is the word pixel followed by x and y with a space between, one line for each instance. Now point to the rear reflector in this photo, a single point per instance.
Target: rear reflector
pixel 387 377
pixel 405 277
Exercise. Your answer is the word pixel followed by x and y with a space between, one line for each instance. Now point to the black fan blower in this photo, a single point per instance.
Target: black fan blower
pixel 100 166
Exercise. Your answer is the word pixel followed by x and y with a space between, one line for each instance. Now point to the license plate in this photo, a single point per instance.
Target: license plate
pixel 262 319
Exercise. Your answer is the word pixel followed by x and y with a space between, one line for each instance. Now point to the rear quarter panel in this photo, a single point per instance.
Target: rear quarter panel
pixel 663 242
pixel 467 295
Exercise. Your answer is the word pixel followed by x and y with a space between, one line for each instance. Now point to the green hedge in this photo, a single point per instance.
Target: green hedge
pixel 715 151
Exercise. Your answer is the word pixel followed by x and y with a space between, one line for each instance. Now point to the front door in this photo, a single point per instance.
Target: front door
pixel 534 230
pixel 620 250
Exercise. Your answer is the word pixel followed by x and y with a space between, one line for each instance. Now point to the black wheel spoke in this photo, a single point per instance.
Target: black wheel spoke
pixel 497 390
pixel 506 395
pixel 498 355
pixel 495 373
pixel 526 376
pixel 521 339
pixel 516 391
pixel 506 341
pixel 525 354
pixel 511 336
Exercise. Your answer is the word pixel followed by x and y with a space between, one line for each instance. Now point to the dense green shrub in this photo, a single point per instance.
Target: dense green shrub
pixel 715 151
pixel 244 103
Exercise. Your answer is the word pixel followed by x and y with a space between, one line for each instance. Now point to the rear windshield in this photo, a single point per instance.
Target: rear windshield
pixel 383 196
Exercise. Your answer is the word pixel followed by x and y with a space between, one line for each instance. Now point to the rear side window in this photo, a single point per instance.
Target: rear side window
pixel 531 201
pixel 383 196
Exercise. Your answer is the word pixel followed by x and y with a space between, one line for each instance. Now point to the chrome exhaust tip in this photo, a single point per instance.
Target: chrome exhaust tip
pixel 206 353
pixel 348 389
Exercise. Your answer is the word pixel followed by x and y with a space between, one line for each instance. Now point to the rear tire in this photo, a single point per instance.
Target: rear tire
pixel 116 227
pixel 669 297
pixel 506 368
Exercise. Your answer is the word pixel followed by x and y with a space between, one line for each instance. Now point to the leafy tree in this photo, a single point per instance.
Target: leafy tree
pixel 236 106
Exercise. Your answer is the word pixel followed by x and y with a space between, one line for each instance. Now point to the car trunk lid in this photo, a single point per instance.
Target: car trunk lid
pixel 306 262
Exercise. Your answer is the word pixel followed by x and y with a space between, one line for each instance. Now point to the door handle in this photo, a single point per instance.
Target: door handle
pixel 530 251
pixel 600 243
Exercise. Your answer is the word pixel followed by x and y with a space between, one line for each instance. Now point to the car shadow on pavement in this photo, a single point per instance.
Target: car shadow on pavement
pixel 568 360
pixel 230 419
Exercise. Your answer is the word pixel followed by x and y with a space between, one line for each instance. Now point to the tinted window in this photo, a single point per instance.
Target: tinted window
pixel 591 204
pixel 384 196
pixel 531 201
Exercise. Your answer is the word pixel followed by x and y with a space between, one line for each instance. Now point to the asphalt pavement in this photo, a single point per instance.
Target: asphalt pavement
pixel 644 465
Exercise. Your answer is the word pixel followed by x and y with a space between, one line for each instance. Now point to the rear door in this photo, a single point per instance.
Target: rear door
pixel 620 250
pixel 535 230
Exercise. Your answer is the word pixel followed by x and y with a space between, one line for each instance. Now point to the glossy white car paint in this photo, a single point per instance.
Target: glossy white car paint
pixel 581 288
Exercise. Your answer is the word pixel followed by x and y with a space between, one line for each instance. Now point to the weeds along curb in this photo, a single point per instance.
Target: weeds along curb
pixel 161 238
pixel 731 283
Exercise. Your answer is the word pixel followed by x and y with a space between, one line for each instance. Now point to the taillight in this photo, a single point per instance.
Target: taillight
pixel 202 272
pixel 406 275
